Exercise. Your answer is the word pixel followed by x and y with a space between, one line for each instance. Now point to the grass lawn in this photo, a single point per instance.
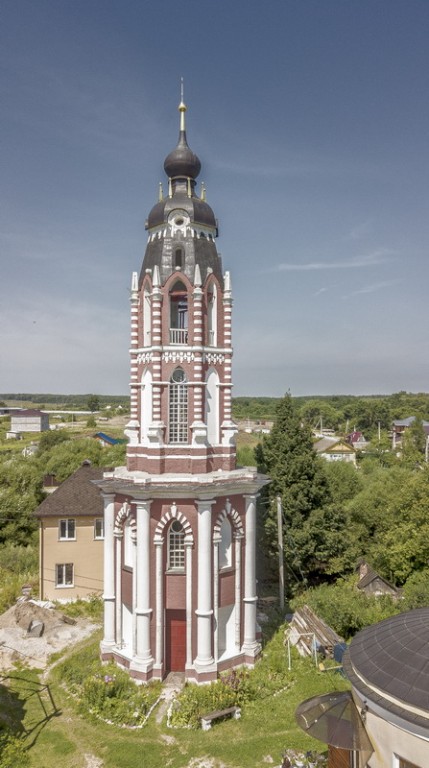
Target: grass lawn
pixel 54 731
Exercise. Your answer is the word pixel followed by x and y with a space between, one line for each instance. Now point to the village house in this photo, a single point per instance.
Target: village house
pixel 71 530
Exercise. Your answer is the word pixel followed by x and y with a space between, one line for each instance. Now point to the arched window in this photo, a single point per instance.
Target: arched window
pixel 176 546
pixel 178 407
pixel 178 314
pixel 225 546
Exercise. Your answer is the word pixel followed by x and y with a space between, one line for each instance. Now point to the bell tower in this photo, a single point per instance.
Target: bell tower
pixel 180 517
pixel 181 333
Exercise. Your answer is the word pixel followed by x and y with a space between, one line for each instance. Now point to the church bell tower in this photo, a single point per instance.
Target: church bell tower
pixel 181 333
pixel 180 518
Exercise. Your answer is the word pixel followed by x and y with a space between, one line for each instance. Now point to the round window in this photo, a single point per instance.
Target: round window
pixel 178 375
pixel 176 526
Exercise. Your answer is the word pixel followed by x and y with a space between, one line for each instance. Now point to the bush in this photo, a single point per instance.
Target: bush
pixel 12 751
pixel 345 608
pixel 106 691
pixel 91 608
pixel 416 590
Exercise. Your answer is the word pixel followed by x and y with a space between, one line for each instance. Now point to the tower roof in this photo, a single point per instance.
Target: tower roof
pixel 182 162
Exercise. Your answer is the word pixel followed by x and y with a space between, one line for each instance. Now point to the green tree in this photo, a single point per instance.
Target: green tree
pixel 64 459
pixel 93 403
pixel 50 438
pixel 297 475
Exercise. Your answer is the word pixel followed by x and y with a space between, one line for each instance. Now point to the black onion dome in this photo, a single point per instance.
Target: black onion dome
pixel 199 211
pixel 182 162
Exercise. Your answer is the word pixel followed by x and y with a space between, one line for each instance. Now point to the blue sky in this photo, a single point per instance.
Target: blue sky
pixel 311 120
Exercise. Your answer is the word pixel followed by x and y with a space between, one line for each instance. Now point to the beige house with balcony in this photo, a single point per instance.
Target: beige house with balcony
pixel 71 526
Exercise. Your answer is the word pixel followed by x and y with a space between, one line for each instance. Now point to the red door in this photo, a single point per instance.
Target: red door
pixel 175 640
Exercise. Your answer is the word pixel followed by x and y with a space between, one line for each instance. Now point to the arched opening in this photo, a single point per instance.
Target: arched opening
pixel 178 314
pixel 178 407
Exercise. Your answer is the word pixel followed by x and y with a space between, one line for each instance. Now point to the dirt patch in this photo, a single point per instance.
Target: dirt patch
pixel 16 646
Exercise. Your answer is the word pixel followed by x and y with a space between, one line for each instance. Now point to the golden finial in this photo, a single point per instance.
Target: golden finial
pixel 182 106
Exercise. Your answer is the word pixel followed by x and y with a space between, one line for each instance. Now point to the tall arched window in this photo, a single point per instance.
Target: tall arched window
pixel 176 546
pixel 178 407
pixel 178 314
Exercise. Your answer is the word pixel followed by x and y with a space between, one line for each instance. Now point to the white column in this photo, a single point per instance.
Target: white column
pixel 109 574
pixel 144 659
pixel 204 660
pixel 159 607
pixel 216 542
pixel 118 569
pixel 238 593
pixel 188 556
pixel 250 644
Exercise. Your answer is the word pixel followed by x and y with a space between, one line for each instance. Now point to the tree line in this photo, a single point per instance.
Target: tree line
pixel 335 514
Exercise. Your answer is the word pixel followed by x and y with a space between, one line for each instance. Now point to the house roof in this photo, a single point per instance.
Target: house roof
pixel 326 444
pixel 370 576
pixel 27 412
pixel 389 663
pixel 106 438
pixel 76 496
pixel 407 422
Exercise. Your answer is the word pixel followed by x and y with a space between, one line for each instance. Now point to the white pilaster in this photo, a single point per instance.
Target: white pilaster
pixel 118 574
pixel 216 542
pixel 188 561
pixel 204 660
pixel 159 607
pixel 238 592
pixel 109 574
pixel 250 645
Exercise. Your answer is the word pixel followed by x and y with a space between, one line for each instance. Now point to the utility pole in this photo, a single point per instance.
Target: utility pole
pixel 281 557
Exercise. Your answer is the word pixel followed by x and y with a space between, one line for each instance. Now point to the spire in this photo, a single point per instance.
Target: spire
pixel 182 108
pixel 182 162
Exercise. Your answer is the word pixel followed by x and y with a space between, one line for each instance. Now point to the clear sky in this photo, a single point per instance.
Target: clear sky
pixel 311 119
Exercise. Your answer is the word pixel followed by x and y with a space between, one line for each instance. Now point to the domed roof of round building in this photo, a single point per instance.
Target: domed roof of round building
pixel 389 662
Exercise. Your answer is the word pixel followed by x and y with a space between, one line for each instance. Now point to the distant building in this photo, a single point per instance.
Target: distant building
pixel 400 426
pixel 30 420
pixel 335 449
pixel 372 583
pixel 357 440
pixel 106 440
pixel 71 529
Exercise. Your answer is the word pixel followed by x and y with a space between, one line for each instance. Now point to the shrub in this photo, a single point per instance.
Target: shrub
pixel 345 608
pixel 12 751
